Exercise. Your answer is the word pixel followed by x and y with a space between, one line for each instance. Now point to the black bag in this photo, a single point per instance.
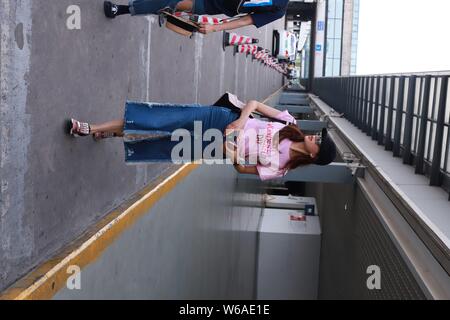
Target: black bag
pixel 230 101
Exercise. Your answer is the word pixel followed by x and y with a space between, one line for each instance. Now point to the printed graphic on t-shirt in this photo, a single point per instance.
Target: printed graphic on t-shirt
pixel 259 146
pixel 254 6
pixel 256 3
pixel 265 145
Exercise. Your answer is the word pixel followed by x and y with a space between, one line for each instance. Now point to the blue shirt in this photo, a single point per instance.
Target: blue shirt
pixel 261 16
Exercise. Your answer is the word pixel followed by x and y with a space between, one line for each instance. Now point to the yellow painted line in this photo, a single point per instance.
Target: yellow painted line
pixel 49 278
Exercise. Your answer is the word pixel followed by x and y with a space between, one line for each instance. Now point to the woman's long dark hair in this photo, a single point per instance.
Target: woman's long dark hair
pixel 293 133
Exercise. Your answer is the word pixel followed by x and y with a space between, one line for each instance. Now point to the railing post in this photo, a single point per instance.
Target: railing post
pixel 359 102
pixel 366 106
pixel 435 176
pixel 376 108
pixel 349 96
pixel 353 101
pixel 381 132
pixel 423 127
pixel 388 143
pixel 407 157
pixel 399 117
pixel 370 100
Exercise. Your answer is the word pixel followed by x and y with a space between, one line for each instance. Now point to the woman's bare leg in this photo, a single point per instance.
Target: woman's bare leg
pixel 185 5
pixel 115 126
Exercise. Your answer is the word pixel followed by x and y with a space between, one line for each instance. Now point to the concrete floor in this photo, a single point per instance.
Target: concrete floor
pixel 54 187
pixel 191 245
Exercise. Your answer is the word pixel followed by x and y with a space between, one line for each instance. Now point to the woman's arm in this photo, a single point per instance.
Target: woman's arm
pixel 265 110
pixel 238 23
pixel 246 169
pixel 248 109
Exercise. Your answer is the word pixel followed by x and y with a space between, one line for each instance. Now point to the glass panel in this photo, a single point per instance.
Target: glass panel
pixel 402 125
pixel 337 49
pixel 377 120
pixel 418 97
pixel 437 100
pixel 395 94
pixel 380 92
pixel 394 118
pixel 414 135
pixel 331 9
pixel 385 121
pixel 337 68
pixel 388 88
pixel 447 105
pixel 338 28
pixel 329 67
pixel 447 166
pixel 427 142
pixel 432 94
pixel 444 147
pixel 433 139
pixel 339 8
pixel 330 48
pixel 330 28
pixel 405 95
pixel 417 131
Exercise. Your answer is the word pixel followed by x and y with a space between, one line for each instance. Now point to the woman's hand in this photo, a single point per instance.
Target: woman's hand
pixel 230 150
pixel 246 169
pixel 234 130
pixel 206 28
pixel 237 125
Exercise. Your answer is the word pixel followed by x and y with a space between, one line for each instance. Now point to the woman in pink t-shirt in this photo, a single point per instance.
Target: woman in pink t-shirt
pixel 271 149
pixel 155 132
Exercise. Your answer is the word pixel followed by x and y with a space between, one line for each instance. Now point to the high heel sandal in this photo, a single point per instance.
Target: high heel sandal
pixel 78 129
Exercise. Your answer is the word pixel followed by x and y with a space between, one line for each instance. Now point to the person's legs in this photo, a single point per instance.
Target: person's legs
pixel 112 10
pixel 144 7
pixel 99 131
pixel 115 127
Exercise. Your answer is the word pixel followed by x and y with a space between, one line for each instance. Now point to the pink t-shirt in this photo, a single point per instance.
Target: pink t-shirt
pixel 257 146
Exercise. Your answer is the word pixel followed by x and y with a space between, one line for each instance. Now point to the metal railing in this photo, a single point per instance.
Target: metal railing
pixel 408 114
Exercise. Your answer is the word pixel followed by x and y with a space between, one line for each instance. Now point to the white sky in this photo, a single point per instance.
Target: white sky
pixel 398 36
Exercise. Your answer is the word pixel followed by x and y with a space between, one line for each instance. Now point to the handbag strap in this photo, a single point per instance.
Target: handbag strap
pixel 287 123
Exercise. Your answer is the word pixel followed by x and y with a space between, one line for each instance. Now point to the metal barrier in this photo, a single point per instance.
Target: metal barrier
pixel 408 114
